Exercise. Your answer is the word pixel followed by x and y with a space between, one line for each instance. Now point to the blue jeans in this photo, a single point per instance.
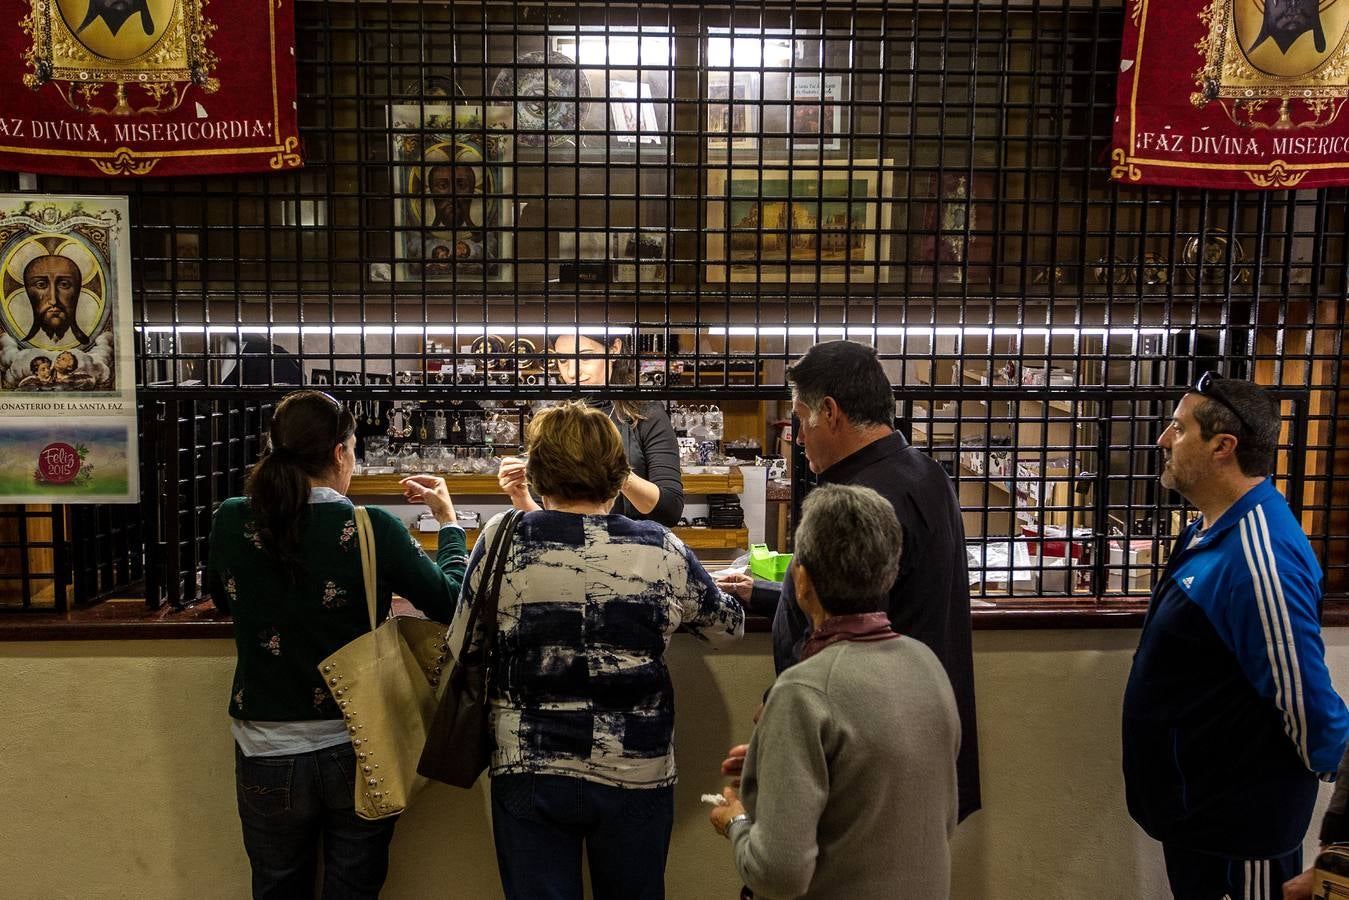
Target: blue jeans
pixel 540 823
pixel 286 804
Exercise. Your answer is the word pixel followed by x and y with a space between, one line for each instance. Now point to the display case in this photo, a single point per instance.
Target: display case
pixel 714 544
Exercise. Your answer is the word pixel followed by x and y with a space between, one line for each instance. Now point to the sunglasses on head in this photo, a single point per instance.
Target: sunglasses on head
pixel 1208 386
pixel 338 409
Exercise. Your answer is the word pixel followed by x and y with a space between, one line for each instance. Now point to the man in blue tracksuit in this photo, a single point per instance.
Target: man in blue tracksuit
pixel 1229 713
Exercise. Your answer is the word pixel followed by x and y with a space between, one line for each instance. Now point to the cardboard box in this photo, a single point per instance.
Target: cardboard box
pixel 1120 566
pixel 1052 552
pixel 1059 578
pixel 1053 541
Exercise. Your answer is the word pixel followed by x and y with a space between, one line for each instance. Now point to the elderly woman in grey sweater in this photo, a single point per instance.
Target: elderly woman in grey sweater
pixel 849 783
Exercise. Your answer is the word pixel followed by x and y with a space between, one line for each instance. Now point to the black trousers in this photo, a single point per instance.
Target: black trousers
pixel 1203 876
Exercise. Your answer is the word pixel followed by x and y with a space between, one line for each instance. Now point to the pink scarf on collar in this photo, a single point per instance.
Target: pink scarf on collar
pixel 857 627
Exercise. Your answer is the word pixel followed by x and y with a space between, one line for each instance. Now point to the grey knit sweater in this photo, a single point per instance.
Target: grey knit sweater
pixel 850 781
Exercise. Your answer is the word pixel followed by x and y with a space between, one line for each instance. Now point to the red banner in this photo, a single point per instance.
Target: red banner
pixel 1233 94
pixel 149 87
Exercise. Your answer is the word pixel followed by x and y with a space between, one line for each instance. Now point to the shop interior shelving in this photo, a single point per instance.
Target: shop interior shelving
pixel 700 538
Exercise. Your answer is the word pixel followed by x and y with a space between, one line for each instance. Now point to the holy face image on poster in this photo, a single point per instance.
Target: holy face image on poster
pixel 452 220
pixel 62 274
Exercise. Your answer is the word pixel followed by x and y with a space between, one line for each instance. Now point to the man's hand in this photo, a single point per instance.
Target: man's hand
pixel 721 816
pixel 1299 888
pixel 734 763
pixel 738 585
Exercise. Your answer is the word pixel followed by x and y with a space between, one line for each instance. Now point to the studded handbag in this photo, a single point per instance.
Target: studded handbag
pixel 1331 879
pixel 386 683
pixel 459 741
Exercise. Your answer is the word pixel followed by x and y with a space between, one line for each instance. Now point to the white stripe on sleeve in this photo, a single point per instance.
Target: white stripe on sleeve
pixel 1294 670
pixel 1270 623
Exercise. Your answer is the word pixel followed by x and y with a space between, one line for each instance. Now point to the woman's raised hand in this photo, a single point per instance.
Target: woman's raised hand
pixel 511 478
pixel 431 490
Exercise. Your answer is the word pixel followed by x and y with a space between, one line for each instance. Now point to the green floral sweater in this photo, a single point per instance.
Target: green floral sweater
pixel 285 626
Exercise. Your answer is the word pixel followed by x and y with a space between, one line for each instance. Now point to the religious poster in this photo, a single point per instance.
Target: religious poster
pixel 67 374
pixel 149 87
pixel 1233 94
pixel 955 242
pixel 453 214
pixel 817 111
pixel 732 111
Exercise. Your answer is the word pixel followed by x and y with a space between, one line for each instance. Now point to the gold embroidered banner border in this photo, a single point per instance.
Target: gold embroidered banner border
pixel 1233 94
pixel 149 87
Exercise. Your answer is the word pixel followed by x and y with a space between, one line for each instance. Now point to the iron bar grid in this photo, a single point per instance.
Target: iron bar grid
pixel 720 185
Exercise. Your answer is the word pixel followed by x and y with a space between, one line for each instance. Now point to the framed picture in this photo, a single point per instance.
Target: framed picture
pixel 583 257
pixel 452 183
pixel 779 223
pixel 184 252
pixel 638 256
pixel 732 113
pixel 817 111
pixel 632 113
pixel 949 247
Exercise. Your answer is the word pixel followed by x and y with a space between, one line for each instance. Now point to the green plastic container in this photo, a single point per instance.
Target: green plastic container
pixel 766 564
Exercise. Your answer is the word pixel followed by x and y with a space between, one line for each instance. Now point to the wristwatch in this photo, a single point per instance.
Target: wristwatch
pixel 741 817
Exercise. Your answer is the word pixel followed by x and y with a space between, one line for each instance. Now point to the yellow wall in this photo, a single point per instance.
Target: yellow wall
pixel 118 768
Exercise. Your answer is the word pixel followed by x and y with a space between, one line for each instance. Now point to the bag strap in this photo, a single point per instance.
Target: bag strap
pixel 489 585
pixel 365 535
pixel 505 534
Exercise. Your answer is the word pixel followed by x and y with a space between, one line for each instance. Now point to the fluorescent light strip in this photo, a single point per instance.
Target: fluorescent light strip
pixel 385 330
pixel 930 330
pixel 816 331
pixel 713 330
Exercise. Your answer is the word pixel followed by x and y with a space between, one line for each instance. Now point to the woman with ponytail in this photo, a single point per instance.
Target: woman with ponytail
pixel 285 562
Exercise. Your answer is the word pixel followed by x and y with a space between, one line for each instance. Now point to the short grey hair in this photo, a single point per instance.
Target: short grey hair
pixel 849 542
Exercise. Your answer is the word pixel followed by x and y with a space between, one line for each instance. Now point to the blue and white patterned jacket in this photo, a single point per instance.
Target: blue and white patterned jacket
pixel 578 683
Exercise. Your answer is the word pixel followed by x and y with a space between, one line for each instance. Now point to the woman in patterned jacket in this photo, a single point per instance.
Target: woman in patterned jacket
pixel 582 704
pixel 285 562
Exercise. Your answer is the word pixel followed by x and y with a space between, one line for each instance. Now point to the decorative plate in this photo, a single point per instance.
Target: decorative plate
pixel 1214 259
pixel 1104 268
pixel 545 86
pixel 433 86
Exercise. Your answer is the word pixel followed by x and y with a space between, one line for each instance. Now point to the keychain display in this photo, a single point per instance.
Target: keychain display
pixel 715 423
pixel 400 422
pixel 697 424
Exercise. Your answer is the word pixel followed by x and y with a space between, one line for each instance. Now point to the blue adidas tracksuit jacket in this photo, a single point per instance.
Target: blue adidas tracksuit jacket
pixel 1229 713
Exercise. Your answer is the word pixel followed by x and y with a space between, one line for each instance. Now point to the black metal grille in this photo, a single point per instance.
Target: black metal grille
pixel 31 575
pixel 723 184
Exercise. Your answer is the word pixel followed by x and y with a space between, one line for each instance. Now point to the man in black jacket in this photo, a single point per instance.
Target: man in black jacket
pixel 845 408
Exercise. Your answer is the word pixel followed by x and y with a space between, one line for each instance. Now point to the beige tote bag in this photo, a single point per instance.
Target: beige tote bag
pixel 387 684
